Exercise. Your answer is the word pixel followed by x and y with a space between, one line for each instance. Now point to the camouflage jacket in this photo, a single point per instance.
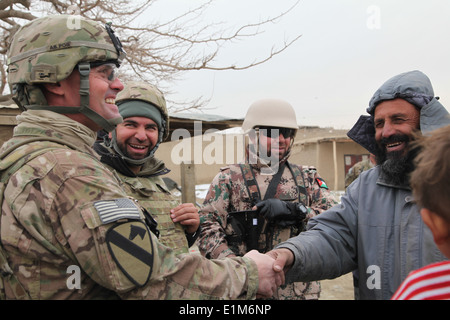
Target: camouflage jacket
pixel 70 231
pixel 356 170
pixel 228 193
pixel 150 190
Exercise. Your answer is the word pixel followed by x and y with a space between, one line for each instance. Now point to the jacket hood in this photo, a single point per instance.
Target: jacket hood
pixel 414 87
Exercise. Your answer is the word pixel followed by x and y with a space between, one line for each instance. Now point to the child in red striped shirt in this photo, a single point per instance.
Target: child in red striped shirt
pixel 430 182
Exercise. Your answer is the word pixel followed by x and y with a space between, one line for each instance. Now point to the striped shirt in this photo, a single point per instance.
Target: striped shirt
pixel 431 282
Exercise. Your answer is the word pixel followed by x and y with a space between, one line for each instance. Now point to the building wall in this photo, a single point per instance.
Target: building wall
pixel 313 147
pixel 202 151
pixel 7 122
pixel 320 155
pixel 209 153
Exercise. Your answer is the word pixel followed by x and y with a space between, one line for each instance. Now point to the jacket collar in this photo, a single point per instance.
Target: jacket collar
pixel 153 167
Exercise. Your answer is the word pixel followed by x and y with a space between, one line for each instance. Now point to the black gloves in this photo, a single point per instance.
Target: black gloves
pixel 282 213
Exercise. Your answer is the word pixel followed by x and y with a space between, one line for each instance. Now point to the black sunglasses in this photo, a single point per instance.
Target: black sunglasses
pixel 270 132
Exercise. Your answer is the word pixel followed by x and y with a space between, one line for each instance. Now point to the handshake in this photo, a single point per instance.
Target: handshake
pixel 271 269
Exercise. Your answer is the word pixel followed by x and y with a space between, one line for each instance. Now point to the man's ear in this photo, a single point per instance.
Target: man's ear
pixel 438 225
pixel 54 88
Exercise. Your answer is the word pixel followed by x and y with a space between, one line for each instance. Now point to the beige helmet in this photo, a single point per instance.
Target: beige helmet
pixel 48 49
pixel 267 113
pixel 140 99
pixel 270 113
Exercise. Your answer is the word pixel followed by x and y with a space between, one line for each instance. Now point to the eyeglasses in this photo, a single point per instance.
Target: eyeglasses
pixel 105 71
pixel 273 132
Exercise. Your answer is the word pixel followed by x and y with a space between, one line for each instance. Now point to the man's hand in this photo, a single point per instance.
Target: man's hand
pixel 283 213
pixel 284 259
pixel 187 215
pixel 269 279
pixel 273 209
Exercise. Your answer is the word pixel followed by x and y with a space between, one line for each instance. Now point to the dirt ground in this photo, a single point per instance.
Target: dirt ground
pixel 340 288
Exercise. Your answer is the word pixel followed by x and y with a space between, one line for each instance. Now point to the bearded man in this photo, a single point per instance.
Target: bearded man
pixel 376 231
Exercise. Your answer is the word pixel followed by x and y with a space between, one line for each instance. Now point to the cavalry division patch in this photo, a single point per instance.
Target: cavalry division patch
pixel 131 246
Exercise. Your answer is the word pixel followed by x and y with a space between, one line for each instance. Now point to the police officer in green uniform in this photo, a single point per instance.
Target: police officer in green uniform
pixel 267 199
pixel 129 150
pixel 67 228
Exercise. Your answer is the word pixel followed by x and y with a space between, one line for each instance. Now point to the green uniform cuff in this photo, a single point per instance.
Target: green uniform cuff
pixel 252 278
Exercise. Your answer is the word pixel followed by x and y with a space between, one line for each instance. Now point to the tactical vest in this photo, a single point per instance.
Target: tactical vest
pixel 153 195
pixel 253 188
pixel 270 235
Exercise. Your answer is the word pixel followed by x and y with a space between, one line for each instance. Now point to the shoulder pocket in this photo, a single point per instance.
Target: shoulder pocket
pixel 107 211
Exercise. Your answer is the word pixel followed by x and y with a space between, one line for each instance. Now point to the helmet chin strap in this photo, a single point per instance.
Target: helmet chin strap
pixel 112 143
pixel 84 69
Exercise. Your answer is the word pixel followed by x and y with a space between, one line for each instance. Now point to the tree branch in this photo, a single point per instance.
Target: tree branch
pixel 159 52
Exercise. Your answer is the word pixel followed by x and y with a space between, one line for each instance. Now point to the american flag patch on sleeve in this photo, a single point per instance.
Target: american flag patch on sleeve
pixel 112 210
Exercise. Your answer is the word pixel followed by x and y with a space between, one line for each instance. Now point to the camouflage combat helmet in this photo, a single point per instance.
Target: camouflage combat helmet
pixel 48 49
pixel 270 113
pixel 147 99
pixel 137 90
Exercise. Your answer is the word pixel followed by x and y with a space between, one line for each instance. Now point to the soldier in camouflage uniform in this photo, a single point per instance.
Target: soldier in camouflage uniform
pixel 129 151
pixel 240 193
pixel 67 228
pixel 357 168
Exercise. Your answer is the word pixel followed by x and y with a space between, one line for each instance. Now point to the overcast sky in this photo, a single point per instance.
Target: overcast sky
pixel 347 50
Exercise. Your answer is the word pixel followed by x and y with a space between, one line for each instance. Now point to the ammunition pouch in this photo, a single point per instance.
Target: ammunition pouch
pixel 247 226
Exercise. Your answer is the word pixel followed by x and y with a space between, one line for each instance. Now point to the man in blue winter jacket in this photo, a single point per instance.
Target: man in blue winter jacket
pixel 377 229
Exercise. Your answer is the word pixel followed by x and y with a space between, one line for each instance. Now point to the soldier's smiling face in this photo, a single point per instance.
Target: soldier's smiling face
pixel 137 136
pixel 102 95
pixel 103 89
pixel 274 141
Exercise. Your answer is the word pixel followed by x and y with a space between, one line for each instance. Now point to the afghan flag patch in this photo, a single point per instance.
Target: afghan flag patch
pixel 321 183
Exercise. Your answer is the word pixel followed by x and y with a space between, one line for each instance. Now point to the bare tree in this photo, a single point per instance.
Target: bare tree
pixel 157 51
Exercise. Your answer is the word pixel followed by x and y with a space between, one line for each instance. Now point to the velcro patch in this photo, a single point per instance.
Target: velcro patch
pixel 321 183
pixel 113 210
pixel 131 247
